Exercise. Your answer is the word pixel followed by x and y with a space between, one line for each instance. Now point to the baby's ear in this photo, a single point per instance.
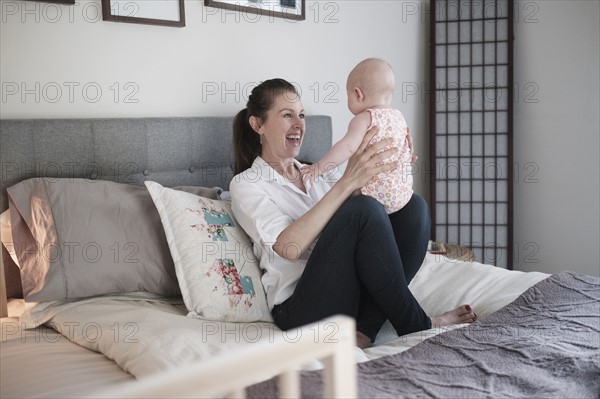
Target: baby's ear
pixel 360 96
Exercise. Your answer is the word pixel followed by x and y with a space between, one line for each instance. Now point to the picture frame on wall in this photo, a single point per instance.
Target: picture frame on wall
pixel 155 12
pixel 68 2
pixel 287 9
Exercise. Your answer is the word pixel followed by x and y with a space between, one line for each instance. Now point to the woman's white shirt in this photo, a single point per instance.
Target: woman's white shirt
pixel 264 204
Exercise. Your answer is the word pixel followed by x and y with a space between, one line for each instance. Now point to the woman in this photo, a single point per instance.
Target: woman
pixel 325 251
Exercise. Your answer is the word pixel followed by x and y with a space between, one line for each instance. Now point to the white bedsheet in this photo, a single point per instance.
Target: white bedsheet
pixel 42 363
pixel 443 284
pixel 144 335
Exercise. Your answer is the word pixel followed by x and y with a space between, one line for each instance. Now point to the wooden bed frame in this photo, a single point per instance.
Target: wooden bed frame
pixel 282 358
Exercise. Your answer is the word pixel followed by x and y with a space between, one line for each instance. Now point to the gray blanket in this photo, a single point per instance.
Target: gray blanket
pixel 545 344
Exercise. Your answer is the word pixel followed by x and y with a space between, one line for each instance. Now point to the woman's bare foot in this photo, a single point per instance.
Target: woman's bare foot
pixel 362 341
pixel 462 314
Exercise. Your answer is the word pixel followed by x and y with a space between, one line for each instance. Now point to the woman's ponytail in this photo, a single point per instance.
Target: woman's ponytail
pixel 246 142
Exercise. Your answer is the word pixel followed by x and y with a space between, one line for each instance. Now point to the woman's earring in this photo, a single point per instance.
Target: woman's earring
pixel 260 138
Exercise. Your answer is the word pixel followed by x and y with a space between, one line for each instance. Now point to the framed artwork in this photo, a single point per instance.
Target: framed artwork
pixel 69 2
pixel 288 9
pixel 155 12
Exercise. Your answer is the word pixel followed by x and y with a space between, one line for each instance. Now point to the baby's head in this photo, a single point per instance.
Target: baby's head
pixel 371 83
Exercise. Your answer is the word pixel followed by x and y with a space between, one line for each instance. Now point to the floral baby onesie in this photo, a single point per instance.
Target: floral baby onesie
pixel 394 188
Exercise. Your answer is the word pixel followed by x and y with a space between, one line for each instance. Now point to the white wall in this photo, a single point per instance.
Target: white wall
pixel 208 67
pixel 556 136
pixel 174 72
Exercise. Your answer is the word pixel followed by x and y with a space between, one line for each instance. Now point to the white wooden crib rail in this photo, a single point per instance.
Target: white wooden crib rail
pixel 331 340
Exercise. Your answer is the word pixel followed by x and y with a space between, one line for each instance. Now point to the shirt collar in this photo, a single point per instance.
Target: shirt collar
pixel 268 173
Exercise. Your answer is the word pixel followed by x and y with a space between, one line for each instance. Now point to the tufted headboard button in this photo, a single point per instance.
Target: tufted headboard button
pixel 94 176
pixel 146 172
pixel 191 169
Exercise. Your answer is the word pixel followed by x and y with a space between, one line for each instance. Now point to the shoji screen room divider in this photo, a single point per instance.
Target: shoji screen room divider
pixel 471 126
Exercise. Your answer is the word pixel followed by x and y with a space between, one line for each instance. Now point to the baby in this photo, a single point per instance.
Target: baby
pixel 370 89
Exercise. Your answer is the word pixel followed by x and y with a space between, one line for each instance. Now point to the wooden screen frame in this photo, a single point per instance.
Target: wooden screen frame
pixel 487 250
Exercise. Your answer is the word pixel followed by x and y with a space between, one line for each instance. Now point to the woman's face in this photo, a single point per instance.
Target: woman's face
pixel 283 129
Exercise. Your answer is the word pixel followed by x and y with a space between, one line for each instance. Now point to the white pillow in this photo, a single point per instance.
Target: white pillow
pixel 218 273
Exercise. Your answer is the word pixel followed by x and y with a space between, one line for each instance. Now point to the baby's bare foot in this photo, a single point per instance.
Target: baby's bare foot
pixel 462 314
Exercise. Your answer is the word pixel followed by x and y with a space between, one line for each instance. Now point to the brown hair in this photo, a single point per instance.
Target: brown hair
pixel 246 142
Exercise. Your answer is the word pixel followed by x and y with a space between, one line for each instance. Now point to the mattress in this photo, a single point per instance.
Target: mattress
pixel 80 347
pixel 43 363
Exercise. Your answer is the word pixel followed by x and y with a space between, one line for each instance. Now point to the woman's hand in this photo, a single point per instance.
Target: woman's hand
pixel 409 141
pixel 367 162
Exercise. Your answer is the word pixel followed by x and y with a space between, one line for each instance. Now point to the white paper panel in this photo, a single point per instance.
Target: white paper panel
pixel 489 191
pixel 452 32
pixel 502 72
pixel 502 98
pixel 477 122
pixel 465 54
pixel 465 192
pixel 501 29
pixel 440 234
pixel 465 214
pixel 452 194
pixel 452 54
pixel 477 53
pixel 441 194
pixel 489 119
pixel 489 30
pixel 489 75
pixel 489 53
pixel 477 9
pixel 502 146
pixel 477 100
pixel 453 118
pixel 477 212
pixel 453 147
pixel 453 212
pixel 465 123
pixel 477 142
pixel 453 234
pixel 464 31
pixel 502 121
pixel 440 124
pixel 477 31
pixel 442 211
pixel 502 53
pixel 502 194
pixel 440 33
pixel 489 147
pixel 465 234
pixel 477 188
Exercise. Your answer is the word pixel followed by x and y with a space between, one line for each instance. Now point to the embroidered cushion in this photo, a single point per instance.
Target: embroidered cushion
pixel 217 271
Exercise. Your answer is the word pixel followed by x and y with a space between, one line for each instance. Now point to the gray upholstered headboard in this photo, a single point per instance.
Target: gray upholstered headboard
pixel 171 151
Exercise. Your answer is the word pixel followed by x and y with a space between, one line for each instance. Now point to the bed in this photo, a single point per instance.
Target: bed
pixel 109 316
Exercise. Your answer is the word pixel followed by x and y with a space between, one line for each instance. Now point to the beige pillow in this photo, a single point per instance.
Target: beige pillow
pixel 77 238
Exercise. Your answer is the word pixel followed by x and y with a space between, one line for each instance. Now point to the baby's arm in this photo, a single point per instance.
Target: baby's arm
pixel 343 149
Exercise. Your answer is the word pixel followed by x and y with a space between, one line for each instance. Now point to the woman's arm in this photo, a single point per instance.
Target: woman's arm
pixel 362 166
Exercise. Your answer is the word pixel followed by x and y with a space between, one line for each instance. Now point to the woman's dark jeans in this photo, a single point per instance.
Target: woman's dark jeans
pixel 361 267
